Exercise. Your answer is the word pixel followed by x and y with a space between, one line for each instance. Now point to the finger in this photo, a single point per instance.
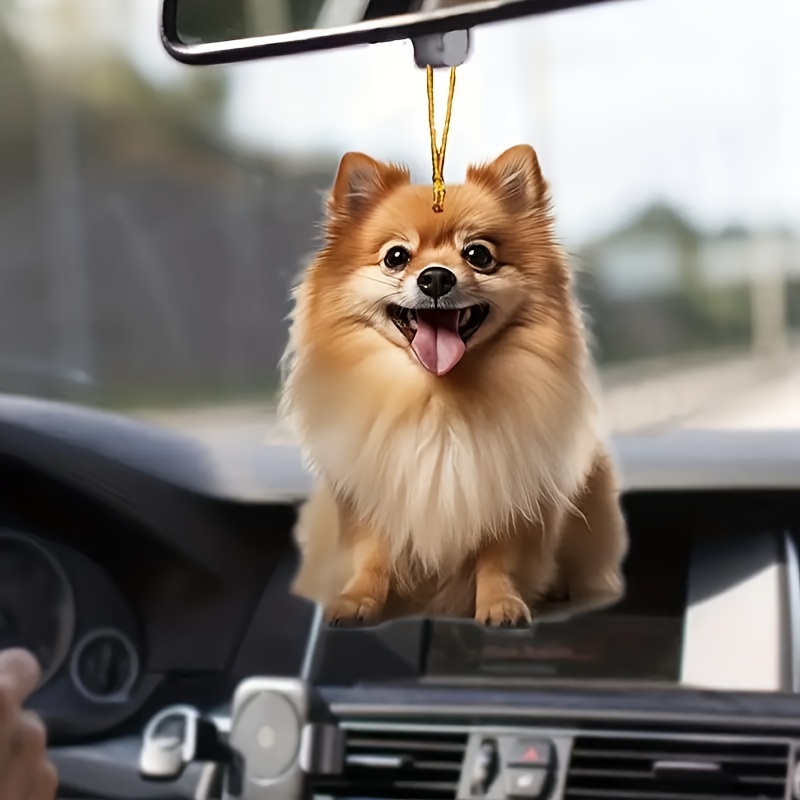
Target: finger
pixel 19 676
pixel 46 785
pixel 25 758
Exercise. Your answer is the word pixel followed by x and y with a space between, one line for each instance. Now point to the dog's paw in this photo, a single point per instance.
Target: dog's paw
pixel 508 611
pixel 347 611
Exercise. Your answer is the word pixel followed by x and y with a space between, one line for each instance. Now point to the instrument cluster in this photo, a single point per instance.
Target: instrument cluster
pixel 66 609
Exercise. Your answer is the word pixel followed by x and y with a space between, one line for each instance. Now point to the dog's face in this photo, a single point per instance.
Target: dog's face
pixel 440 284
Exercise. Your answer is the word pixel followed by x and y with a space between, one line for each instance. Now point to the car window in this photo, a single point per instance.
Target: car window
pixel 154 216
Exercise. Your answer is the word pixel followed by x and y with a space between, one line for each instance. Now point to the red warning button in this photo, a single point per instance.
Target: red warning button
pixel 531 753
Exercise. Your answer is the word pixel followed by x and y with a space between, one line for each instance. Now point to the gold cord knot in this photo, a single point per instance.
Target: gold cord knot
pixel 437 152
pixel 439 193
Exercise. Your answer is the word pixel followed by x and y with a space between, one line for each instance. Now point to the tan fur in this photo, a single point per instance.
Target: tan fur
pixel 470 494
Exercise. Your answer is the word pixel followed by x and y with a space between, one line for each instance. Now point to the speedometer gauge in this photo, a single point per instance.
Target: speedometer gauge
pixel 37 611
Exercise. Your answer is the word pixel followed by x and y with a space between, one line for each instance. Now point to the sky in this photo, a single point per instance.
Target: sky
pixel 696 102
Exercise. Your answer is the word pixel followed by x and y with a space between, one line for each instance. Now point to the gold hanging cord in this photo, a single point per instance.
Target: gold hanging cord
pixel 437 151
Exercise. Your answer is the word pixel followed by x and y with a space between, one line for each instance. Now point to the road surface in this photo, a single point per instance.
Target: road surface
pixel 727 391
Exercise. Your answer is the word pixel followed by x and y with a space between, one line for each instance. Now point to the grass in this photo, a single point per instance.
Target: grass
pixel 180 398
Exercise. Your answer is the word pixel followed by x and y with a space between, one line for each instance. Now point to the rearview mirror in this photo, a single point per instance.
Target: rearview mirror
pixel 225 31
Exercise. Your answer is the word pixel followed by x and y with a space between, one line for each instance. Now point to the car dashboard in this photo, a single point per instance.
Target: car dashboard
pixel 112 609
pixel 146 569
pixel 135 580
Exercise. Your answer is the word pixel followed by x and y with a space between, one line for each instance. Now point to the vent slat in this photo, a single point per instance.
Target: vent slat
pixel 359 743
pixel 580 772
pixel 375 789
pixel 664 745
pixel 422 765
pixel 655 755
pixel 619 794
pixel 442 766
pixel 660 767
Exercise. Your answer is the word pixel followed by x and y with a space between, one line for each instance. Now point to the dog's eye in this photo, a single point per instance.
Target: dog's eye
pixel 397 258
pixel 478 256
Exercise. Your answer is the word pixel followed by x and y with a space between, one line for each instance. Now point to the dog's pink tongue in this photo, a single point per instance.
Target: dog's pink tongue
pixel 436 343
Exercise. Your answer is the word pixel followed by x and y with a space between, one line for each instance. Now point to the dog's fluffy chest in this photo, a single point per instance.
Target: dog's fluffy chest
pixel 436 483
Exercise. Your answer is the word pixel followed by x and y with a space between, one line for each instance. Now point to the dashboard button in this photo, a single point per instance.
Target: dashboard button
pixel 531 753
pixel 525 782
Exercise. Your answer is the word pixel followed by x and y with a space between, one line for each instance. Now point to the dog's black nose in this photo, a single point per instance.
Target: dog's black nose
pixel 436 282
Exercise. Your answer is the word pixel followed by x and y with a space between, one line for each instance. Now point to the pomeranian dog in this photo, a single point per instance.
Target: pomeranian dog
pixel 439 381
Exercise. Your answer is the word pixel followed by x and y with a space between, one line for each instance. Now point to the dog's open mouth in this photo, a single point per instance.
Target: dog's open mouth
pixel 438 337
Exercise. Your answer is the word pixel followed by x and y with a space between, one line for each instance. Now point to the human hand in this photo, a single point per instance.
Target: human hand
pixel 25 772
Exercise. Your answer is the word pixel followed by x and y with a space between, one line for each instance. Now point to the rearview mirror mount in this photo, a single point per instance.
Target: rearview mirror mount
pixel 228 31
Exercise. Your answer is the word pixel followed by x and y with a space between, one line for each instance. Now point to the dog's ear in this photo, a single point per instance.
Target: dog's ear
pixel 360 181
pixel 516 177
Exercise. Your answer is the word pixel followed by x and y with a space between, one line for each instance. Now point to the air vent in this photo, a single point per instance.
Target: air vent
pixel 676 768
pixel 408 764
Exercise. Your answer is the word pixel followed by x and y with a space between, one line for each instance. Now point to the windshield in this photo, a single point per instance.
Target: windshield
pixel 154 216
